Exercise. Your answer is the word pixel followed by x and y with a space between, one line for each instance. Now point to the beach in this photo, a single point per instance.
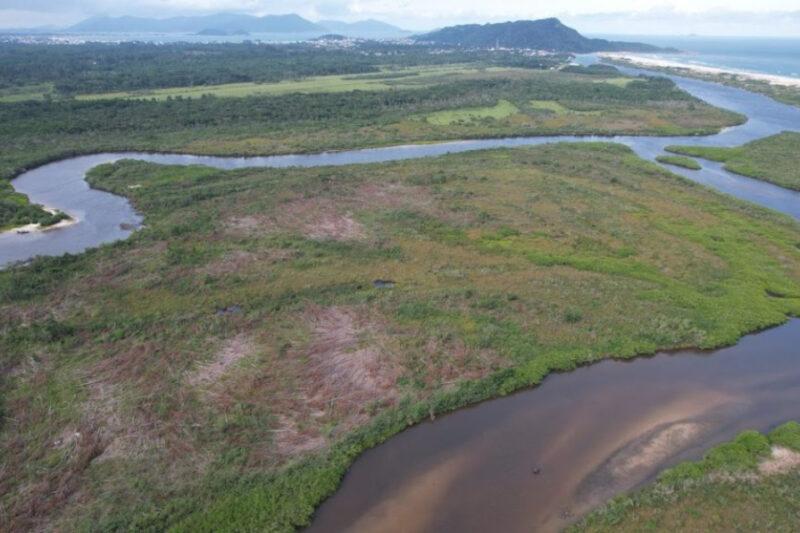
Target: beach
pixel 654 61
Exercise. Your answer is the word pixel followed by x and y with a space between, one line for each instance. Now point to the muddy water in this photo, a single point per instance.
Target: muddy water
pixel 536 460
pixel 104 218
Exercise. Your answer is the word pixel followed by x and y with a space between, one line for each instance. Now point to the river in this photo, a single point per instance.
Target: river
pixel 540 458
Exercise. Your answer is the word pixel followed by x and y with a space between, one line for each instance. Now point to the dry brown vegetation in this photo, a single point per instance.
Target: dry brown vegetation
pixel 241 332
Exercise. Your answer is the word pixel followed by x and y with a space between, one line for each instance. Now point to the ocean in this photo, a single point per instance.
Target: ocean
pixel 754 54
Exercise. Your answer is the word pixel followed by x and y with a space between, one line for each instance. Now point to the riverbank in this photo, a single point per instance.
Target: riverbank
pixel 749 483
pixel 228 302
pixel 246 310
pixel 646 61
pixel 774 159
pixel 36 132
pixel 785 89
pixel 62 220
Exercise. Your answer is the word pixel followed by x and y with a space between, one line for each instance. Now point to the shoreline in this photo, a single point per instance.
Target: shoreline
pixel 641 60
pixel 38 228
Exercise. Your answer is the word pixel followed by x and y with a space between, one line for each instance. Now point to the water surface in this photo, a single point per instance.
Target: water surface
pixel 536 460
pixel 104 217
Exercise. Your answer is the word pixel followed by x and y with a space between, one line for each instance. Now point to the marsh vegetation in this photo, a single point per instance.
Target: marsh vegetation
pixel 225 365
pixel 343 101
pixel 749 483
pixel 679 161
pixel 775 159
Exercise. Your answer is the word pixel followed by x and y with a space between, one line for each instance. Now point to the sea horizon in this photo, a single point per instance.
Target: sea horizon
pixel 779 56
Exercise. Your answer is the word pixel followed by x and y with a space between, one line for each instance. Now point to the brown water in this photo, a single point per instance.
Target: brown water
pixel 589 434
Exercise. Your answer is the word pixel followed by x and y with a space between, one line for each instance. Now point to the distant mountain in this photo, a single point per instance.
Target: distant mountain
pixel 221 33
pixel 364 28
pixel 544 34
pixel 221 22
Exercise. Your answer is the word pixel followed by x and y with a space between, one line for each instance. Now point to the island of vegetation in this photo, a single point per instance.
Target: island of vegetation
pixel 775 159
pixel 247 99
pixel 679 161
pixel 748 484
pixel 223 367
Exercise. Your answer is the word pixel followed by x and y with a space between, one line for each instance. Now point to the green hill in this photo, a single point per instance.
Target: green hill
pixel 544 34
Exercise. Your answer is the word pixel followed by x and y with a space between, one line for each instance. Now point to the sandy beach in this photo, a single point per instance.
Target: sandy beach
pixel 37 228
pixel 650 61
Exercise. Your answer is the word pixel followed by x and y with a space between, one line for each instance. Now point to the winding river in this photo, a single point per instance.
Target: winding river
pixel 537 459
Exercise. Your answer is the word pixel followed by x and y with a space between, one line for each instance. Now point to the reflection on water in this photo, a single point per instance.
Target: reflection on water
pixel 540 458
pixel 536 459
pixel 103 217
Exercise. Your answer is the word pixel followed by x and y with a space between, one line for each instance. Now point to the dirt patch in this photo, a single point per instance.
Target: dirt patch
pixel 327 218
pixel 248 224
pixel 338 360
pixel 229 263
pixel 320 219
pixel 290 439
pixel 232 351
pixel 783 460
pixel 38 501
pixel 343 369
pixel 657 448
pixel 316 218
pixel 394 195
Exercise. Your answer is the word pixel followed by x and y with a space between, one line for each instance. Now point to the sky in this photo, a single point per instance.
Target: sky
pixel 666 17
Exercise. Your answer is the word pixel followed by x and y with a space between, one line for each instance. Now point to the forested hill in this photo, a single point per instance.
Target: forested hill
pixel 544 34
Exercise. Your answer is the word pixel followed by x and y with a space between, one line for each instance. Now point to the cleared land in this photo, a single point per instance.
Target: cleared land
pixel 503 109
pixel 417 77
pixel 222 368
pixel 26 92
pixel 679 161
pixel 748 484
pixel 35 132
pixel 774 159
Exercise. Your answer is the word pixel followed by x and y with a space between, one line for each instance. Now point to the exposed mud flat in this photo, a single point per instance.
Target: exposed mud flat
pixel 540 459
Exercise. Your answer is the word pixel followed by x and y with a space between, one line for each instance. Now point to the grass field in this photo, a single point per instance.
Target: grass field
pixel 556 108
pixel 619 82
pixel 28 92
pixel 548 105
pixel 748 484
pixel 417 77
pixel 502 110
pixel 564 103
pixel 774 159
pixel 679 161
pixel 221 368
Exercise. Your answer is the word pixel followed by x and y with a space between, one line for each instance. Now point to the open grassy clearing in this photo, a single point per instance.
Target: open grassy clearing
pixel 679 161
pixel 33 133
pixel 556 108
pixel 502 110
pixel 222 368
pixel 93 68
pixel 774 159
pixel 748 484
pixel 419 77
pixel 27 92
pixel 619 82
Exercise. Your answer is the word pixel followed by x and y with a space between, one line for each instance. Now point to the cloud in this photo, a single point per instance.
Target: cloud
pixel 666 21
pixel 766 17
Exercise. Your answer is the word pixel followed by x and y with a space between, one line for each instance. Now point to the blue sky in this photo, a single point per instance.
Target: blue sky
pixel 707 17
